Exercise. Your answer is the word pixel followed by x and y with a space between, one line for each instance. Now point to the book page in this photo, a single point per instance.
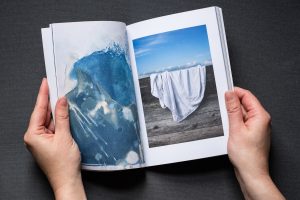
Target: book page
pixel 180 81
pixel 49 65
pixel 93 71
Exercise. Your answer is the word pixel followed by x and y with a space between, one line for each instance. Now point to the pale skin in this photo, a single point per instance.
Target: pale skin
pixel 54 148
pixel 248 146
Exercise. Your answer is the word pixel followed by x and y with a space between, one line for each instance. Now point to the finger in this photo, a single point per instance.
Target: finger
pixel 48 117
pixel 234 110
pixel 250 103
pixel 39 113
pixel 51 126
pixel 62 125
pixel 245 115
pixel 48 131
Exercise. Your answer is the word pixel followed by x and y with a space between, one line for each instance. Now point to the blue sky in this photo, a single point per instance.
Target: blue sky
pixel 174 48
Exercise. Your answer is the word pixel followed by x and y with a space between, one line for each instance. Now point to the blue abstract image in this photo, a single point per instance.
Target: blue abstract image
pixel 103 112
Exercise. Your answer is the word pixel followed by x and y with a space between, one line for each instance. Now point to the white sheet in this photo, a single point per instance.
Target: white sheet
pixel 181 91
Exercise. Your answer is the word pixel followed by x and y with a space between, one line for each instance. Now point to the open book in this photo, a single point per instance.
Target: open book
pixel 144 94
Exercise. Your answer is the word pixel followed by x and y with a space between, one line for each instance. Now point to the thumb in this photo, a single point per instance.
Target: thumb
pixel 62 124
pixel 234 110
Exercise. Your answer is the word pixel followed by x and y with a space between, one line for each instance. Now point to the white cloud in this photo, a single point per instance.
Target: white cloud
pixel 141 52
pixel 149 44
pixel 207 62
pixel 157 40
pixel 200 55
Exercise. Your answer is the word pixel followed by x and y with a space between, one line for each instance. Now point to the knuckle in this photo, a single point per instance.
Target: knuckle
pixel 268 117
pixel 233 110
pixel 27 138
pixel 265 117
pixel 40 107
pixel 248 93
pixel 234 107
pixel 63 115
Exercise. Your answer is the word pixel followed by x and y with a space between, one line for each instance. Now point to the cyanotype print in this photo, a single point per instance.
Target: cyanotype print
pixel 103 112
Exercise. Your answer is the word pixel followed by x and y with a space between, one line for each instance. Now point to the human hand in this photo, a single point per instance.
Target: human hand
pixel 249 144
pixel 53 146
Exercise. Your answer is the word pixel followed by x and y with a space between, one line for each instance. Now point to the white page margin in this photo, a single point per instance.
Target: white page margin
pixel 49 65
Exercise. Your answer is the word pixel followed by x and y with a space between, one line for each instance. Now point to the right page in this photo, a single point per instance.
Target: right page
pixel 181 72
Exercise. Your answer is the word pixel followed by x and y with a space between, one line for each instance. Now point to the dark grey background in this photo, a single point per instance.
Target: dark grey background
pixel 263 41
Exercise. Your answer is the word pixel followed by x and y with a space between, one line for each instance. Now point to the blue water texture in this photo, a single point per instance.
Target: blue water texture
pixel 103 112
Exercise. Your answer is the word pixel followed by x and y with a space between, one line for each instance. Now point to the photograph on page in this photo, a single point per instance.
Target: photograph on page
pixel 177 86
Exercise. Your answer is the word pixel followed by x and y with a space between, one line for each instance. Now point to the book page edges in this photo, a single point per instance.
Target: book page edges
pixel 224 48
pixel 49 65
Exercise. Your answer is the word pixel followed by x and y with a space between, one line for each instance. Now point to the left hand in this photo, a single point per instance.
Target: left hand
pixel 53 146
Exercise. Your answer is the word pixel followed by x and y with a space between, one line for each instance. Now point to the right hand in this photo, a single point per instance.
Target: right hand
pixel 249 144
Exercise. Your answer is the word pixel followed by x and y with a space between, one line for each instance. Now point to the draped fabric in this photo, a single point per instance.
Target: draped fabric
pixel 181 91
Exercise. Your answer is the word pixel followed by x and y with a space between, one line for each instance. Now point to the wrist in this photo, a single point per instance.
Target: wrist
pixel 258 186
pixel 70 189
pixel 250 175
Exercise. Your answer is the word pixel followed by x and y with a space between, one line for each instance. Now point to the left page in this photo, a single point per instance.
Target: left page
pixel 89 64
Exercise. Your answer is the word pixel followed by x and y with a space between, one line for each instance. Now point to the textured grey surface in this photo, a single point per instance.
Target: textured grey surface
pixel 263 40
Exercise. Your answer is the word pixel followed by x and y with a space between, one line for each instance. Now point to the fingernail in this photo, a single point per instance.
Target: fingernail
pixel 229 96
pixel 63 101
pixel 42 82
